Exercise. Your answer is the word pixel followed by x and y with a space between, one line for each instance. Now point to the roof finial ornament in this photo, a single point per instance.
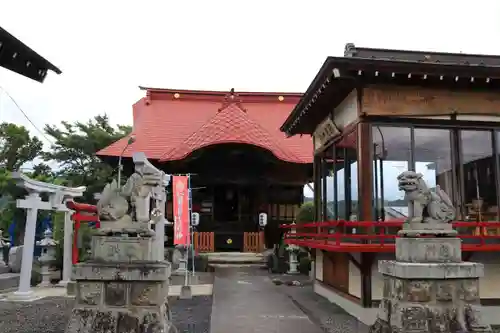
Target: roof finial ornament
pixel 349 50
pixel 230 98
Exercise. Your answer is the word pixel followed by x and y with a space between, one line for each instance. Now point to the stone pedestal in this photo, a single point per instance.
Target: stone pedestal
pixel 429 289
pixel 121 289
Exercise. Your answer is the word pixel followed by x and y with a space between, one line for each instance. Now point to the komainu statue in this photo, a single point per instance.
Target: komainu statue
pixel 127 208
pixel 112 206
pixel 117 207
pixel 432 207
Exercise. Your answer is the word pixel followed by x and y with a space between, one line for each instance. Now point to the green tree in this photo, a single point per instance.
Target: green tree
pixel 17 146
pixel 74 148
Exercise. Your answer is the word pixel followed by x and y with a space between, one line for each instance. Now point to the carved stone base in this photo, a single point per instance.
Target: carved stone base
pixel 429 250
pixel 121 289
pixel 121 297
pixel 94 320
pixel 430 302
pixel 430 228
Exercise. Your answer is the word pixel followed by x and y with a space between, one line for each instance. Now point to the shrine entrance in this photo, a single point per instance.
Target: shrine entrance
pixel 234 214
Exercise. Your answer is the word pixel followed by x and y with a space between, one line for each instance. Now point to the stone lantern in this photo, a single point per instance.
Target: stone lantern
pixel 3 244
pixel 294 251
pixel 48 256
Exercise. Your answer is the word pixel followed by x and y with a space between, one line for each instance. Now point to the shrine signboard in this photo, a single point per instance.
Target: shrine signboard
pixel 181 210
pixel 325 131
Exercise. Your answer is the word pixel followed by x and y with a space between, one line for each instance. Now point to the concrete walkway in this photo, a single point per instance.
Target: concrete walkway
pixel 246 301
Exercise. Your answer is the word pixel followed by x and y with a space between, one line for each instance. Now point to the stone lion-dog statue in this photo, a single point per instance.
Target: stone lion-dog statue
pixel 432 207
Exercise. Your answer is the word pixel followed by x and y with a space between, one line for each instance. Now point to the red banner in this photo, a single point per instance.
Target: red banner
pixel 181 210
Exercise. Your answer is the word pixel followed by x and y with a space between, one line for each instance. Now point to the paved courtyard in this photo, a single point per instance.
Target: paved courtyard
pixel 244 301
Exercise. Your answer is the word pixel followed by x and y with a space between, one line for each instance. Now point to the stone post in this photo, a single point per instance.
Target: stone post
pixel 48 245
pixel 428 288
pixel 160 199
pixel 3 244
pixel 67 248
pixel 32 203
pixel 293 250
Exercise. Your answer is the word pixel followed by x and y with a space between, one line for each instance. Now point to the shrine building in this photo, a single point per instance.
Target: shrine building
pixel 375 113
pixel 241 164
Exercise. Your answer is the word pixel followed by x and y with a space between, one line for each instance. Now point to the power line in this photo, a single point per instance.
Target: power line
pixel 26 116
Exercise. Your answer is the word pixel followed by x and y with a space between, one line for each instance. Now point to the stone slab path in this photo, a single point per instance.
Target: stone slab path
pixel 246 301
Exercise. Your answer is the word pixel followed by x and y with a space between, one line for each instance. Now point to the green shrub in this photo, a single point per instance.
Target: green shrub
pixel 304 265
pixel 306 213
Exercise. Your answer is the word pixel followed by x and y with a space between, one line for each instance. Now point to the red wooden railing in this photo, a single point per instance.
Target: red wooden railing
pixel 204 242
pixel 83 213
pixel 253 242
pixel 372 236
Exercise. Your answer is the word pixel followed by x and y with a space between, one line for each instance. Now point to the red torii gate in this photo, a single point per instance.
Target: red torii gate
pixel 83 213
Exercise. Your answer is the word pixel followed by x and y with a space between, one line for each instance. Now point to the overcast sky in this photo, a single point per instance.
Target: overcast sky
pixel 108 48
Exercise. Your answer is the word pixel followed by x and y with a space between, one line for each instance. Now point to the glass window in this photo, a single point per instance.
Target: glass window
pixel 479 190
pixel 391 156
pixel 340 182
pixel 353 214
pixel 433 159
pixel 324 189
pixel 346 175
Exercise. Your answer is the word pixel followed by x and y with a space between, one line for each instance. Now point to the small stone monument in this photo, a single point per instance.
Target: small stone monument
pixel 4 244
pixel 47 258
pixel 180 258
pixel 123 287
pixel 428 288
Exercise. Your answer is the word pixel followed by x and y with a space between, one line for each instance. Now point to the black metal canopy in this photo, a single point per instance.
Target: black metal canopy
pixel 360 66
pixel 19 58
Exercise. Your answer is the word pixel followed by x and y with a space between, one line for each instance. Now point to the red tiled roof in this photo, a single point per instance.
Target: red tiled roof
pixel 171 124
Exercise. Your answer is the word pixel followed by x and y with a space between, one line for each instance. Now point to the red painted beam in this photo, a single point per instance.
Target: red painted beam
pixel 387 248
pixel 338 241
pixel 380 224
pixel 81 207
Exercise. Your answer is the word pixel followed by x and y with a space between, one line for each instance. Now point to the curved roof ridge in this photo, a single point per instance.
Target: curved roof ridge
pixel 220 123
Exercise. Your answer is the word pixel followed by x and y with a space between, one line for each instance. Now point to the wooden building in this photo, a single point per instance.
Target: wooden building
pixel 19 58
pixel 240 163
pixel 375 113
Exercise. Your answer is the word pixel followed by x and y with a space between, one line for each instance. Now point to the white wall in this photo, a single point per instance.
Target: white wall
pixel 318 265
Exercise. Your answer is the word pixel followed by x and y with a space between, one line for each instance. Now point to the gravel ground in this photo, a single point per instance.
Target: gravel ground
pixel 50 315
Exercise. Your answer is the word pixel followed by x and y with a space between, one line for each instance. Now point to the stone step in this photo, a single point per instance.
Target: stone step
pixel 4 269
pixel 235 258
pixel 9 281
pixel 236 265
pixel 222 258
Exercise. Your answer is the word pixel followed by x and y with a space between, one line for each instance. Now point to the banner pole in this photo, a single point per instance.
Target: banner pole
pixel 190 222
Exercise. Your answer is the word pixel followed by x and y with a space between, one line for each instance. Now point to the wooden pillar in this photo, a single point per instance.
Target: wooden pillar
pixel 365 204
pixel 317 188
pixel 365 172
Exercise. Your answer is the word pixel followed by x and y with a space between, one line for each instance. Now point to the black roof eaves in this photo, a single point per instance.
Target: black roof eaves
pixel 414 67
pixel 400 66
pixel 5 35
pixel 313 86
pixel 355 50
